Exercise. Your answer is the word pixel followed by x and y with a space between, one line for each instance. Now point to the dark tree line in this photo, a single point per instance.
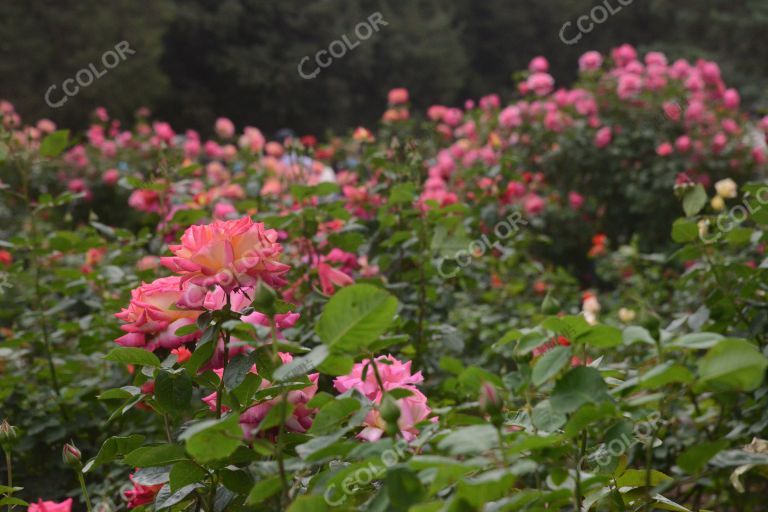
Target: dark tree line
pixel 197 59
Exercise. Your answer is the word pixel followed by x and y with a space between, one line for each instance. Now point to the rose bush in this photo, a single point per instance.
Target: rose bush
pixel 555 304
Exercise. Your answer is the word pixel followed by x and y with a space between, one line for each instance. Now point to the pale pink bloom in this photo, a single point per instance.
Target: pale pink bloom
pixel 435 112
pixel 623 55
pixel 731 99
pixel 533 204
pixel 413 410
pixel 213 150
pixel 603 137
pixel 223 210
pixel 148 263
pixel 394 375
pixel 683 144
pixel 655 58
pixel 232 254
pixel 718 142
pixel 664 149
pixel 541 83
pixel 510 117
pixel 101 114
pixel 452 116
pixel 629 85
pixel 145 200
pixel 274 149
pixel 224 128
pixel 672 110
pixel 252 139
pixel 46 126
pixel 538 65
pixel 163 131
pixel 51 506
pixel 575 200
pixel 76 185
pixel 301 417
pixel 397 96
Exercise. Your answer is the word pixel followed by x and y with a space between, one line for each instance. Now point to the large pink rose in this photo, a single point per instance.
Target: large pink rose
pixel 153 315
pixel 231 254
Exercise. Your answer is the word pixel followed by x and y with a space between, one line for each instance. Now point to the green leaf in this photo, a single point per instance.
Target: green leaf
pixel 467 440
pixel 550 364
pixel 184 473
pixel 639 478
pixel 733 364
pixel 157 455
pixel 404 488
pixel 684 230
pixel 236 371
pixel 212 440
pixel 694 200
pixel 579 386
pixel 695 457
pixel 697 340
pixel 634 333
pixel 173 391
pixel 545 418
pixel 356 316
pixel 264 490
pixel 113 448
pixel 601 336
pixel 132 355
pixel 330 416
pixel 54 143
pixel 663 374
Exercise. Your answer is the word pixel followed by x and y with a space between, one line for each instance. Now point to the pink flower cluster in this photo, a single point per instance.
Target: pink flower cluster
pixel 394 375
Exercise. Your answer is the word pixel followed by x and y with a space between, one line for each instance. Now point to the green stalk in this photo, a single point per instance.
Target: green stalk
pixel 85 490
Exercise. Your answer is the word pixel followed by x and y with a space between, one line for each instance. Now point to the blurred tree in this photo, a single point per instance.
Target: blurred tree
pixel 197 59
pixel 43 43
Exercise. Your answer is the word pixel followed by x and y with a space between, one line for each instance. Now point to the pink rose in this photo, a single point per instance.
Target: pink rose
pixel 51 506
pixel 603 136
pixel 224 128
pixel 231 253
pixel 397 96
pixel 590 61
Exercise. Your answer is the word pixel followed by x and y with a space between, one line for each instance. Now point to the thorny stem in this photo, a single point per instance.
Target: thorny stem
pixel 220 391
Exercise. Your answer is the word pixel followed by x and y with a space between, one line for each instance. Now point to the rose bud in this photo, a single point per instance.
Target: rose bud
pixel 491 403
pixel 8 435
pixel 71 455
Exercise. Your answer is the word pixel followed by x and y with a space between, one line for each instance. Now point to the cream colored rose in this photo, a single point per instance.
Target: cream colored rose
pixel 626 315
pixel 726 188
pixel 717 203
